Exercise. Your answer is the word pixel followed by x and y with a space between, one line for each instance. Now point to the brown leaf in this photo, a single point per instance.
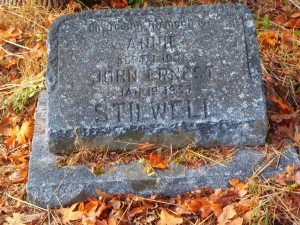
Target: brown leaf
pixel 297 178
pixel 289 40
pixel 5 125
pixel 278 118
pixel 236 221
pixel 227 214
pixel 281 18
pixel 145 146
pixel 101 222
pixel 297 137
pixel 20 175
pixel 168 219
pixel 11 34
pixel 132 213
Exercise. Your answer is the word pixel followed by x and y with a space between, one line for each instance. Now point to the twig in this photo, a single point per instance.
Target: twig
pixel 128 207
pixel 27 203
pixel 49 218
pixel 295 4
pixel 21 46
pixel 197 154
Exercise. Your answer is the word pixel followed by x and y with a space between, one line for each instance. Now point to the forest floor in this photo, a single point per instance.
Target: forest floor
pixel 23 56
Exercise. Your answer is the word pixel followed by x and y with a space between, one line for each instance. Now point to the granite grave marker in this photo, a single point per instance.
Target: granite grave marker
pixel 166 76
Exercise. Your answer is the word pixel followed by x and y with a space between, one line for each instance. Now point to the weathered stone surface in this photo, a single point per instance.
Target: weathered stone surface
pixel 49 185
pixel 163 75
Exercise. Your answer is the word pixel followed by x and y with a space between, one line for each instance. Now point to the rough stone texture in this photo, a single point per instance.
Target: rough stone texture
pixel 49 185
pixel 163 75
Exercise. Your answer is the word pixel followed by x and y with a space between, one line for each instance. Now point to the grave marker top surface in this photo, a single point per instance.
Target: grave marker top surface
pixel 165 75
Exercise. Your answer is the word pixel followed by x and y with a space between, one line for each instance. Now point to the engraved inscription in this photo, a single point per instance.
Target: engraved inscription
pixel 115 76
pixel 141 111
pixel 152 42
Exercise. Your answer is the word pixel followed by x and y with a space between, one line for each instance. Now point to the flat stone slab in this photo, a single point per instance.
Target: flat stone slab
pixel 49 185
pixel 167 76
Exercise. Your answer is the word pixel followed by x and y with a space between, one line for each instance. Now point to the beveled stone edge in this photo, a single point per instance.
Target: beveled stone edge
pixel 49 185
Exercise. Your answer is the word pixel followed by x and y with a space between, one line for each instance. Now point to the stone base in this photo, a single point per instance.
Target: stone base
pixel 53 186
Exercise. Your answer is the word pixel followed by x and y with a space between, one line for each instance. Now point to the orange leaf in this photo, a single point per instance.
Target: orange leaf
pixel 90 205
pixel 69 214
pixel 10 142
pixel 268 37
pixel 19 135
pixel 234 182
pixel 168 219
pixel 157 161
pixel 203 206
pixel 49 20
pixel 279 102
pixel 119 3
pixel 293 23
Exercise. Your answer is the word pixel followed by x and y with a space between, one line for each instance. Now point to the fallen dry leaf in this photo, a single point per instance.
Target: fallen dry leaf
pixel 157 161
pixel 278 118
pixel 268 38
pixel 19 135
pixel 168 219
pixel 49 20
pixel 297 178
pixel 227 214
pixel 111 221
pixel 296 14
pixel 293 23
pixel 135 211
pixel 16 219
pixel 69 214
pixel 119 4
pixel 11 34
pixel 236 221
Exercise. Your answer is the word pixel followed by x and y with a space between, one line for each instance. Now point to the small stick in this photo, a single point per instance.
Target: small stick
pixel 27 203
pixel 49 218
pixel 21 46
